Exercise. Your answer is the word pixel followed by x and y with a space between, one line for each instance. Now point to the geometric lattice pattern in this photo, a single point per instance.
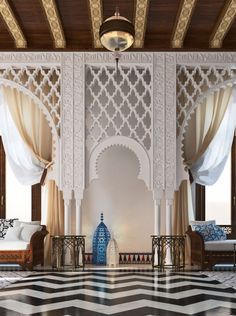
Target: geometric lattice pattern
pixel 42 82
pixel 194 81
pixel 118 103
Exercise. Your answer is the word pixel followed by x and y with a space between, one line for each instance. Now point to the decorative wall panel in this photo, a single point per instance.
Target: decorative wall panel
pixel 118 103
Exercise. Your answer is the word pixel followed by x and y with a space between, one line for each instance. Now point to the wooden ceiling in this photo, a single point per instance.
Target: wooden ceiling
pixel 73 25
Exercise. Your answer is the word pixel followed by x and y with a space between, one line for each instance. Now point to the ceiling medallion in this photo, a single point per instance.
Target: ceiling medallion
pixel 117 34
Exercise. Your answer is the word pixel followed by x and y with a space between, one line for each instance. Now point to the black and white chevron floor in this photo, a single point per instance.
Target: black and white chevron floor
pixel 127 293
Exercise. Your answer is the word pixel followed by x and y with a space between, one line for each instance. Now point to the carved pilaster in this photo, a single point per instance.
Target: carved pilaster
pixel 67 122
pixel 79 121
pixel 158 123
pixel 170 123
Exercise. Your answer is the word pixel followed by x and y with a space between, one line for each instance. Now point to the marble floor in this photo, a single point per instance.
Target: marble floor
pixel 117 292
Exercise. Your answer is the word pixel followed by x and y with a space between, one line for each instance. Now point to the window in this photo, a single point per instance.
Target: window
pixel 218 197
pixel 17 200
pixel 219 200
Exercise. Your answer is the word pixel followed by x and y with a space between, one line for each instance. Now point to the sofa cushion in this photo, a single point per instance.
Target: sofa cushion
pixel 13 245
pixel 219 233
pixel 13 234
pixel 220 245
pixel 4 225
pixel 28 230
pixel 20 223
pixel 207 231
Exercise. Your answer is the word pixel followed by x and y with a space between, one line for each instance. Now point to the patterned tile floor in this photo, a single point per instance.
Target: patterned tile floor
pixel 119 292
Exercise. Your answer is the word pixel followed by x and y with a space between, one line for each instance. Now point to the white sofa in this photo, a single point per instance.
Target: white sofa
pixel 22 243
pixel 208 253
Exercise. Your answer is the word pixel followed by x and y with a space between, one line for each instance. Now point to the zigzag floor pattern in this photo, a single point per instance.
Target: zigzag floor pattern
pixel 127 293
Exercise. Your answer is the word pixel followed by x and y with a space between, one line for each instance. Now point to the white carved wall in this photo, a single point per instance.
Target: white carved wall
pixel 62 77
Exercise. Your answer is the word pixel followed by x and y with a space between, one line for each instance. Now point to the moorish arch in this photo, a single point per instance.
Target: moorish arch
pixel 129 143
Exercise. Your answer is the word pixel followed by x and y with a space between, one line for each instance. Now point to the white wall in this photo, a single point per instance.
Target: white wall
pixel 125 201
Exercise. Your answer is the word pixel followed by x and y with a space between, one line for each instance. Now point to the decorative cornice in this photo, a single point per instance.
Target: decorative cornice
pixel 141 13
pixel 12 24
pixel 205 58
pixel 126 57
pixel 223 24
pixel 54 22
pixel 182 22
pixel 30 58
pixel 96 20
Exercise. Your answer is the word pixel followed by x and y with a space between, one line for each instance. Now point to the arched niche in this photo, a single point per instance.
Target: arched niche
pixel 55 139
pixel 135 147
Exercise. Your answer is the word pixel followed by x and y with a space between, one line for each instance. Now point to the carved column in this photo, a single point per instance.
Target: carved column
pixel 169 214
pixel 67 196
pixel 157 217
pixel 78 199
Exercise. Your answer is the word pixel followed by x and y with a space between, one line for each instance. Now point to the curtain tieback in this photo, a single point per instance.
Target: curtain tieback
pixel 187 169
pixel 45 172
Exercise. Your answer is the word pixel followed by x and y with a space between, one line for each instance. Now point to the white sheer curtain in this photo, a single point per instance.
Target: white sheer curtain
pixel 25 166
pixel 207 169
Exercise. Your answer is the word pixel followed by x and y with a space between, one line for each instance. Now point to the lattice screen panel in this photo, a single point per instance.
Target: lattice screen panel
pixel 42 82
pixel 194 81
pixel 118 103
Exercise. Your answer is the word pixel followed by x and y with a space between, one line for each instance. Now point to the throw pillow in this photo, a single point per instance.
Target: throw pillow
pixel 191 223
pixel 219 233
pixel 28 231
pixel 4 225
pixel 13 233
pixel 207 231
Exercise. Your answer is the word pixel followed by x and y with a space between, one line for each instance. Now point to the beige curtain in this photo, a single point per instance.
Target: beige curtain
pixel 55 216
pixel 201 130
pixel 31 124
pixel 35 132
pixel 205 123
pixel 181 214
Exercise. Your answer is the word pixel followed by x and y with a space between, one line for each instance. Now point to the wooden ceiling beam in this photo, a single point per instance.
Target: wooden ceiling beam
pixel 54 23
pixel 182 22
pixel 12 24
pixel 96 14
pixel 140 22
pixel 223 24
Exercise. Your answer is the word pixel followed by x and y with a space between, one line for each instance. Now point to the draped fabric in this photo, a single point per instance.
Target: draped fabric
pixel 26 122
pixel 183 213
pixel 55 216
pixel 208 168
pixel 208 117
pixel 208 140
pixel 31 124
pixel 25 166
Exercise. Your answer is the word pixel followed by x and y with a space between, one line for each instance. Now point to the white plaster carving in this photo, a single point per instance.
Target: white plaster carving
pixel 158 124
pixel 67 124
pixel 134 146
pixel 126 57
pixel 206 58
pixel 79 125
pixel 37 58
pixel 170 121
pixel 118 103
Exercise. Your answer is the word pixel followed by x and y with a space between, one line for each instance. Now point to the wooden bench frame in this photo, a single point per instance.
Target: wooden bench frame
pixel 207 259
pixel 27 259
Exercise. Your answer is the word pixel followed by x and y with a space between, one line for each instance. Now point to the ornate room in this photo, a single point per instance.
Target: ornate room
pixel 117 157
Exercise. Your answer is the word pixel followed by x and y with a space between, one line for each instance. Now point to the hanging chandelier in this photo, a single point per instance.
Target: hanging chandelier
pixel 117 34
